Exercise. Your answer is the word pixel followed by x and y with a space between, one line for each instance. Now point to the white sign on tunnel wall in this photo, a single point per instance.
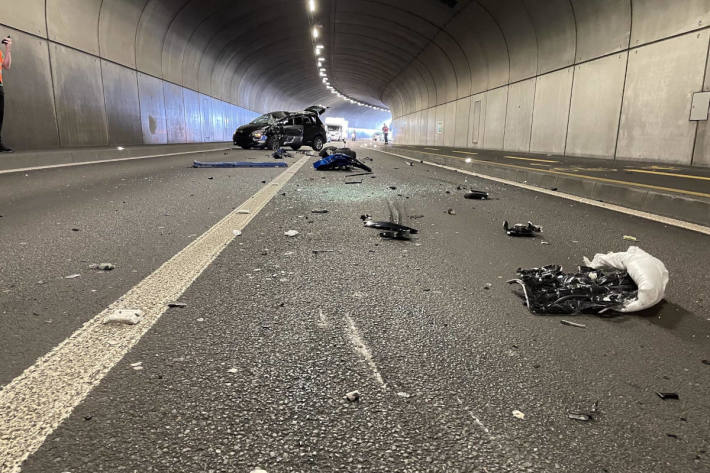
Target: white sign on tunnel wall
pixel 439 127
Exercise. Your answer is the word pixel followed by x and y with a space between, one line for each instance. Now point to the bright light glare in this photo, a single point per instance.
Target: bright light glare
pixel 468 160
pixel 312 5
pixel 315 32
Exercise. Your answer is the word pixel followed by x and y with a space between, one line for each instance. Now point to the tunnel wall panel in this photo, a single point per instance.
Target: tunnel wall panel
pixel 25 15
pixel 658 19
pixel 494 122
pixel 174 113
pixel 193 117
pixel 150 92
pixel 90 94
pixel 74 23
pixel 122 105
pixel 461 122
pixel 596 105
pixel 660 82
pixel 553 93
pixel 29 94
pixel 603 27
pixel 556 33
pixel 477 121
pixel 79 96
pixel 519 113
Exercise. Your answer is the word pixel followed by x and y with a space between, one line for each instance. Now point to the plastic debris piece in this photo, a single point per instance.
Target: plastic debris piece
pixel 243 211
pixel 232 370
pixel 549 290
pixel 579 416
pixel 404 395
pixel 487 286
pixel 237 232
pixel 647 272
pixel 291 233
pixel 177 304
pixel 478 195
pixel 239 164
pixel 630 238
pixel 258 470
pixel 105 267
pixel 521 230
pixel 451 212
pixel 518 414
pixel 339 159
pixel 705 362
pixel 354 182
pixel 319 211
pixel 323 251
pixel 572 324
pixel 124 316
pixel 544 242
pixel 665 396
pixel 72 276
pixel 353 396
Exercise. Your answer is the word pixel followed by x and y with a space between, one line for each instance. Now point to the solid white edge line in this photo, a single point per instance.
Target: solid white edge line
pixel 616 208
pixel 114 160
pixel 34 404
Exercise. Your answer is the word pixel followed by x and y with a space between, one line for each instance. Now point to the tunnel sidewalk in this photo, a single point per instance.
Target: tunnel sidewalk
pixel 27 160
pixel 670 190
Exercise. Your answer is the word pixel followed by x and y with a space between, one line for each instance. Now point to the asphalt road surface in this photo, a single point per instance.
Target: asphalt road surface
pixel 277 330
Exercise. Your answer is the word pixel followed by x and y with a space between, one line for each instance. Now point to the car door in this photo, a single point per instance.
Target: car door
pixel 292 131
pixel 309 127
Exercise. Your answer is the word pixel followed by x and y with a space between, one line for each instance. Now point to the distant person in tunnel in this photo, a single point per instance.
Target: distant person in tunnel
pixel 6 61
pixel 385 132
pixel 354 136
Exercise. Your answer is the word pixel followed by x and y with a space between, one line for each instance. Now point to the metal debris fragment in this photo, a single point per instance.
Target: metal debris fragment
pixel 521 230
pixel 353 396
pixel 665 396
pixel 572 324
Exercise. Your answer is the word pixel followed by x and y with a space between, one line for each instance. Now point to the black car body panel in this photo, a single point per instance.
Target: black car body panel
pixel 254 134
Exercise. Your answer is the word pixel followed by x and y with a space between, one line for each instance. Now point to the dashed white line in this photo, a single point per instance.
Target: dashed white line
pixel 36 402
pixel 363 350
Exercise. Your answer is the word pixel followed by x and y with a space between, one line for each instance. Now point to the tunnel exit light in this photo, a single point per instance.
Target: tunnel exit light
pixel 312 5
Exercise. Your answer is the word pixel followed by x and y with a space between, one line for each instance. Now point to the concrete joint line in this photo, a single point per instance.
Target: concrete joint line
pixel 114 160
pixel 616 208
pixel 36 402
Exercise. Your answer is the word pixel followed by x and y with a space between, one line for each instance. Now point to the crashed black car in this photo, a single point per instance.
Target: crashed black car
pixel 276 129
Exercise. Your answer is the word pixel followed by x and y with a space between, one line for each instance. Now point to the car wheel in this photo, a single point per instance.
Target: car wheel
pixel 295 147
pixel 246 147
pixel 272 143
pixel 317 143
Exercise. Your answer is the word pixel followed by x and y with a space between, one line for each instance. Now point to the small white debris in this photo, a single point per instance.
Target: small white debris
pixel 258 470
pixel 200 319
pixel 105 267
pixel 137 366
pixel 518 414
pixel 237 232
pixel 72 276
pixel 232 370
pixel 124 316
pixel 404 395
pixel 291 233
pixel 353 396
pixel 544 242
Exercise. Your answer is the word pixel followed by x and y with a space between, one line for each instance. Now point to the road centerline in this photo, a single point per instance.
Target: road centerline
pixel 34 404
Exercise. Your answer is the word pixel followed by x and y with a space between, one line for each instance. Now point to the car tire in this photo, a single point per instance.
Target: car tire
pixel 318 143
pixel 246 147
pixel 272 143
pixel 295 147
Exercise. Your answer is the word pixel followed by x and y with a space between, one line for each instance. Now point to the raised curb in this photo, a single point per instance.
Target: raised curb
pixel 677 206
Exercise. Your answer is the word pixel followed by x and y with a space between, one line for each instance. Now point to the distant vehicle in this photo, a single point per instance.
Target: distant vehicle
pixel 337 128
pixel 276 129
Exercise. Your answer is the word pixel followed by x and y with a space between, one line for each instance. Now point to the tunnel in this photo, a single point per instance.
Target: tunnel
pixel 270 236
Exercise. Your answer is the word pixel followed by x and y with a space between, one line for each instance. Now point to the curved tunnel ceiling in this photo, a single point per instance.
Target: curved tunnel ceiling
pixel 260 55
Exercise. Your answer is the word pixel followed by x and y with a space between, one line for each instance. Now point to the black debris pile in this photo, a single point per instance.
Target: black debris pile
pixel 281 153
pixel 549 290
pixel 521 229
pixel 337 159
pixel 392 230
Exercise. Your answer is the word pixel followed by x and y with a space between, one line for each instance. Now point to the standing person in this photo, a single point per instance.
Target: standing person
pixel 354 136
pixel 385 131
pixel 5 63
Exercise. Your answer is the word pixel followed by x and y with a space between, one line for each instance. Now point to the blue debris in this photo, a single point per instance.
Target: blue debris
pixel 239 164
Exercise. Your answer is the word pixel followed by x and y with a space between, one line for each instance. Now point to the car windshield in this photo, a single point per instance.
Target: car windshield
pixel 263 120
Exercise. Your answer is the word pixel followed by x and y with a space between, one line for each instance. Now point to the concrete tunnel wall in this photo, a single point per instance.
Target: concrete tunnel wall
pixel 94 73
pixel 605 78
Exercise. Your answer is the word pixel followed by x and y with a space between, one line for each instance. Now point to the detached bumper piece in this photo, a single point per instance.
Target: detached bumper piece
pixel 549 290
pixel 239 164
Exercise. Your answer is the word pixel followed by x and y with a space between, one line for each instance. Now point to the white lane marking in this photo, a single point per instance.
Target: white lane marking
pixel 38 400
pixel 604 205
pixel 115 160
pixel 363 350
